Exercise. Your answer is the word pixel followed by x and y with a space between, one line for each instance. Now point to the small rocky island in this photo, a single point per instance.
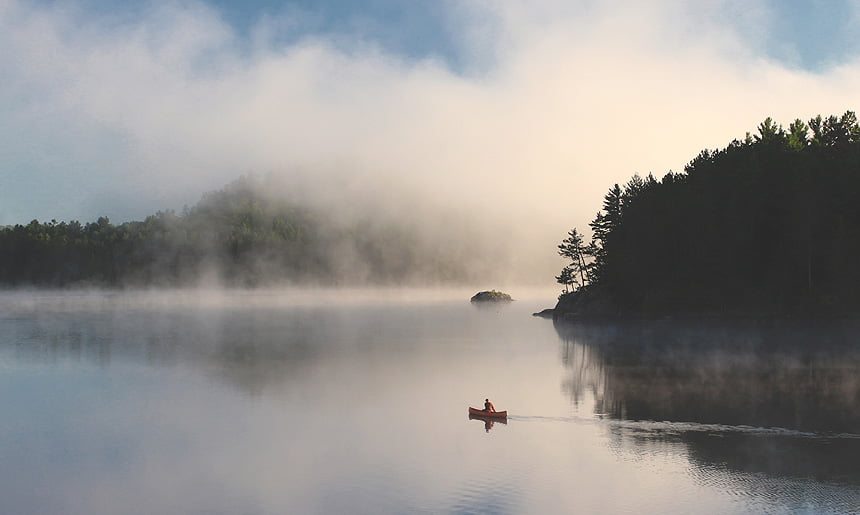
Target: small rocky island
pixel 491 296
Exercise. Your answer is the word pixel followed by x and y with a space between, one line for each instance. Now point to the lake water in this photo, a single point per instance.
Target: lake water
pixel 294 402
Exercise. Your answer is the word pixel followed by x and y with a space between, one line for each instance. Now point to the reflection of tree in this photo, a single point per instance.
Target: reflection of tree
pixel 253 365
pixel 587 373
pixel 819 458
pixel 763 376
pixel 740 375
pixel 250 349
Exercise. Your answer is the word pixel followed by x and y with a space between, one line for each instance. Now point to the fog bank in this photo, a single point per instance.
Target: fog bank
pixel 556 101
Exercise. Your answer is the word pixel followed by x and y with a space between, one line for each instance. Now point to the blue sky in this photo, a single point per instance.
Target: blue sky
pixel 120 109
pixel 811 34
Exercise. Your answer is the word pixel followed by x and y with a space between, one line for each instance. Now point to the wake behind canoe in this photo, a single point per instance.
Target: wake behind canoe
pixel 488 414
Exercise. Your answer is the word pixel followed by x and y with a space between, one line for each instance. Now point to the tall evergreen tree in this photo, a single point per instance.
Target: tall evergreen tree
pixel 574 249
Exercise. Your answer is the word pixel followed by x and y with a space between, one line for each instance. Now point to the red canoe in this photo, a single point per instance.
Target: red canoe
pixel 488 414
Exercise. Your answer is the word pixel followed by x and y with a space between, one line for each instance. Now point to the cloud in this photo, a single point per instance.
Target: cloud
pixel 556 102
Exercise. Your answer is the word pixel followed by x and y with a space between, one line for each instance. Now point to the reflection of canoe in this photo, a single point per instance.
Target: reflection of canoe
pixel 489 421
pixel 487 414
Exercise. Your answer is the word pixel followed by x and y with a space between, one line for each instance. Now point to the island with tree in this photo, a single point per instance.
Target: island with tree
pixel 769 225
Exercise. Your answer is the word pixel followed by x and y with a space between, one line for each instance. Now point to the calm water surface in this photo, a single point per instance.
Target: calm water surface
pixel 290 402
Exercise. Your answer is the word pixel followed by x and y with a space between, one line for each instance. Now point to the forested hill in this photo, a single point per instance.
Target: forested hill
pixel 767 225
pixel 238 236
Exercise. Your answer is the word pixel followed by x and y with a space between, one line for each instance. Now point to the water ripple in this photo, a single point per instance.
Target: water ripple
pixel 763 493
pixel 669 427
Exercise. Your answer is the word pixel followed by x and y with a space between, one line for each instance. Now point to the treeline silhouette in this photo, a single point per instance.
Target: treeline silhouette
pixel 767 225
pixel 237 236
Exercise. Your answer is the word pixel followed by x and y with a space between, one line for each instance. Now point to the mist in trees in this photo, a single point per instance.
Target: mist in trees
pixel 242 235
pixel 769 224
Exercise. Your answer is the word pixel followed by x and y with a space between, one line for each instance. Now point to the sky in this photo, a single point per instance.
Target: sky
pixel 527 110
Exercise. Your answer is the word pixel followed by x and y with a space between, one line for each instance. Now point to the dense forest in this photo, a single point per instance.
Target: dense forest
pixel 238 236
pixel 767 225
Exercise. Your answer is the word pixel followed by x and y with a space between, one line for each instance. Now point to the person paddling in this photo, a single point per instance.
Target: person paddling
pixel 488 406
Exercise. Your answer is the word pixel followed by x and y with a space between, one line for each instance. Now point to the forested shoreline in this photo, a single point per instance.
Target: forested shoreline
pixel 237 236
pixel 769 225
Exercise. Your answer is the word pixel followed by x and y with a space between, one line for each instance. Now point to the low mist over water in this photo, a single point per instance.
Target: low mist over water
pixel 332 402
